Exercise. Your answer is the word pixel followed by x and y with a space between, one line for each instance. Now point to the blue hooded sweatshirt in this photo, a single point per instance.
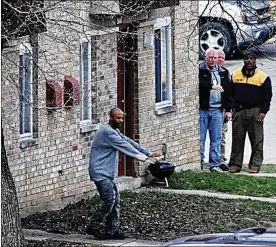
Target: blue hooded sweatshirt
pixel 107 144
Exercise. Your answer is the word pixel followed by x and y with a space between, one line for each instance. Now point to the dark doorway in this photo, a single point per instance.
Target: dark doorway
pixel 126 78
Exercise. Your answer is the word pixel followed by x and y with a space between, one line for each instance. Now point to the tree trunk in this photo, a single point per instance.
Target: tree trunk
pixel 11 230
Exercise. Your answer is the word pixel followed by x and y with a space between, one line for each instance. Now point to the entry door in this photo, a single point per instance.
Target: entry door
pixel 126 77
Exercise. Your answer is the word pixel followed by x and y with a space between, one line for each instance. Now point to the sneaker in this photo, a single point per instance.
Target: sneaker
pixel 116 235
pixel 215 169
pixel 224 167
pixel 95 232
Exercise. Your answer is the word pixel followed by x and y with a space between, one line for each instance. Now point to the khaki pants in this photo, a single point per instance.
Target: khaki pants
pixel 245 121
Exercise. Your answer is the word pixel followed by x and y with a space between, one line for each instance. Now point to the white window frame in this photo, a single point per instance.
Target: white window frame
pixel 161 23
pixel 87 121
pixel 24 49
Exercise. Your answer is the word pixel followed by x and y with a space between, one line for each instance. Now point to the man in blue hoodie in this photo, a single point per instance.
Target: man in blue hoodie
pixel 103 168
pixel 214 96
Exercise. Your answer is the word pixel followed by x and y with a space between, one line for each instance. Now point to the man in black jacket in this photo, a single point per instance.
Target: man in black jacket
pixel 252 93
pixel 214 96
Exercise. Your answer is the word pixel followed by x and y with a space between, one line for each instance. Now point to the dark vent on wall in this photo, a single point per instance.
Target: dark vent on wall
pixel 53 95
pixel 71 91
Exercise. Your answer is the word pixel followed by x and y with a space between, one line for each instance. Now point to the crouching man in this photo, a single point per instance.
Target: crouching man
pixel 103 168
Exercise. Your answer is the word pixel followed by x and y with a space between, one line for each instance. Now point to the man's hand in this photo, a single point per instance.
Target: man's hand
pixel 159 158
pixel 227 116
pixel 260 117
pixel 156 155
pixel 149 161
pixel 218 88
pixel 153 160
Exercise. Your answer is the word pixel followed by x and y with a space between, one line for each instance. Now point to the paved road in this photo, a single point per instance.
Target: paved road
pixel 269 66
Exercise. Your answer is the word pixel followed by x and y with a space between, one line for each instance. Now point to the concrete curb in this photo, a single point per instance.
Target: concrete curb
pixel 260 174
pixel 38 235
pixel 209 194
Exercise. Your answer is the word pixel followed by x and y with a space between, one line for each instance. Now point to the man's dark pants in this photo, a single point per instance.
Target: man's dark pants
pixel 108 212
pixel 244 121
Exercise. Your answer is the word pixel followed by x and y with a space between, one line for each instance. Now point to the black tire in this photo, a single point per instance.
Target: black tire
pixel 220 33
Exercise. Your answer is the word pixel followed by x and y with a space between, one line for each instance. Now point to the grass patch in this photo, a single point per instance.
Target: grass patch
pixel 225 182
pixel 266 168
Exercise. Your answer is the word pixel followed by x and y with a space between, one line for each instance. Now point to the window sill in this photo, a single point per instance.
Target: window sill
pixel 28 142
pixel 84 128
pixel 165 110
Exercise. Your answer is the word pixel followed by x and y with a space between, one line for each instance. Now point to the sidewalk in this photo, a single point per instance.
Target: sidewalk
pixel 260 174
pixel 211 194
pixel 38 235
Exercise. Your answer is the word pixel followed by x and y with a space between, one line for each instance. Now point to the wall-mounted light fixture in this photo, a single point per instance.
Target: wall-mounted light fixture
pixel 147 40
pixel 164 150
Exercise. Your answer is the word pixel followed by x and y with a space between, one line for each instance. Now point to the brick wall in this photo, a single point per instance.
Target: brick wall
pixel 60 144
pixel 179 129
pixel 104 76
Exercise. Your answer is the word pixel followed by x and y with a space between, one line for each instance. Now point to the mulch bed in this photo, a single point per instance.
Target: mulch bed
pixel 160 216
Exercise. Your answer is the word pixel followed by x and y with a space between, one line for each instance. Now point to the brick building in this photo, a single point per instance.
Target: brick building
pixel 59 85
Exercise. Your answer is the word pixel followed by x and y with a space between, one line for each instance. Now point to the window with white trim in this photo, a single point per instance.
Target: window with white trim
pixel 25 90
pixel 85 80
pixel 163 62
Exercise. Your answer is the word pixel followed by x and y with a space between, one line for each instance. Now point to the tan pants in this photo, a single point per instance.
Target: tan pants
pixel 245 121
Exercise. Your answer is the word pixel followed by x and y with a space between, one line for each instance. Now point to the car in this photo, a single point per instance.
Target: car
pixel 256 236
pixel 233 25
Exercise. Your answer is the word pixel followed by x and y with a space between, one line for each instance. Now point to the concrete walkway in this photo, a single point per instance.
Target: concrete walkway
pixel 258 174
pixel 210 194
pixel 261 174
pixel 39 235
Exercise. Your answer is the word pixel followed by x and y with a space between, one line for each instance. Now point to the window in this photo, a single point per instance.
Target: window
pixel 85 81
pixel 25 90
pixel 163 62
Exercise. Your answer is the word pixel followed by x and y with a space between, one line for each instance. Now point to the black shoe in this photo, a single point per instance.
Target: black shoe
pixel 116 235
pixel 201 165
pixel 95 232
pixel 224 167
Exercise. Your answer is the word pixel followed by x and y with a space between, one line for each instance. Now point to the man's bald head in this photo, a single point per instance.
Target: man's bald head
pixel 210 51
pixel 114 110
pixel 116 118
pixel 221 57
